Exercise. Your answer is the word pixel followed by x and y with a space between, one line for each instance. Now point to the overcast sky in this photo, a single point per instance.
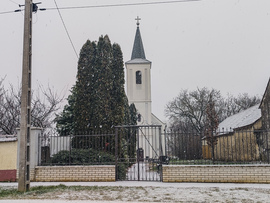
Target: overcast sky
pixel 221 44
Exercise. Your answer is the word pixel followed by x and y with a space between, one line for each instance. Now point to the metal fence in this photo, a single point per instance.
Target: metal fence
pixel 124 146
pixel 84 149
pixel 134 150
pixel 231 147
pixel 138 151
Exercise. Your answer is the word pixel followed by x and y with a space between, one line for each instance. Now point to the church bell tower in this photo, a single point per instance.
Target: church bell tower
pixel 138 74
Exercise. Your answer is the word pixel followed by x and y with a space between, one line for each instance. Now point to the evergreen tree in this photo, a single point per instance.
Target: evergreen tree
pixel 127 113
pixel 65 120
pixel 98 99
pixel 132 135
pixel 103 116
pixel 83 90
pixel 117 93
pixel 133 114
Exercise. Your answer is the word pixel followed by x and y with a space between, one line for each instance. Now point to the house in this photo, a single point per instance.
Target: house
pixel 247 119
pixel 265 107
pixel 263 137
pixel 237 137
pixel 8 157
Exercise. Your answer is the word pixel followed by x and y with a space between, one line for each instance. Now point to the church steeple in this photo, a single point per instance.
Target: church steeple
pixel 139 79
pixel 138 50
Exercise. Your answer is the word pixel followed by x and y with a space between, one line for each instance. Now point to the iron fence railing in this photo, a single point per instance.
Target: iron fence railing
pixel 83 149
pixel 225 147
pixel 130 145
pixel 136 151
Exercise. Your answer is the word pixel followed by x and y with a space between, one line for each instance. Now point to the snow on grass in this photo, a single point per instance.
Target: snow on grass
pixel 142 194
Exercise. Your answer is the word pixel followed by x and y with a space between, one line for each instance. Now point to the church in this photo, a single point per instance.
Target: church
pixel 138 77
pixel 151 140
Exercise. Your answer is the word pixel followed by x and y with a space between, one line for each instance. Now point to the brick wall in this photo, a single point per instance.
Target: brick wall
pixel 217 173
pixel 74 173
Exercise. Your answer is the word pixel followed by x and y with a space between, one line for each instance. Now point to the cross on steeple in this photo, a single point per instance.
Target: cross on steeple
pixel 138 20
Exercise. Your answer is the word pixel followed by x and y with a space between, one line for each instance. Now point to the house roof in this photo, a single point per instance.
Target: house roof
pixel 242 119
pixel 8 138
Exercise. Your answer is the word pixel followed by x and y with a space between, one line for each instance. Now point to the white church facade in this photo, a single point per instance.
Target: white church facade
pixel 138 78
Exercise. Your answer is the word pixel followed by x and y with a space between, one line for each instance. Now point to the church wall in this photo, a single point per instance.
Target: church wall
pixel 138 79
pixel 140 94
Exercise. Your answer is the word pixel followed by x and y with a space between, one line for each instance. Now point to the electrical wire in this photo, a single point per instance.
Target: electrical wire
pixel 114 5
pixel 124 4
pixel 14 2
pixel 101 6
pixel 7 12
pixel 66 29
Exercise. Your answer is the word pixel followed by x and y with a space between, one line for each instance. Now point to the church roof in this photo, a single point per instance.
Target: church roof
pixel 156 120
pixel 138 61
pixel 138 50
pixel 138 55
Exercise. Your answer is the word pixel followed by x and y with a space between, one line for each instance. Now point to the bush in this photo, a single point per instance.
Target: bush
pixel 121 171
pixel 82 157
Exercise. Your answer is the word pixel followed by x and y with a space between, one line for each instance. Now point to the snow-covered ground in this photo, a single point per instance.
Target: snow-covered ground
pixel 142 168
pixel 139 191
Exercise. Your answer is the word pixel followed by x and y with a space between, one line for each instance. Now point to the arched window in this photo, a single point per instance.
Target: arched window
pixel 138 77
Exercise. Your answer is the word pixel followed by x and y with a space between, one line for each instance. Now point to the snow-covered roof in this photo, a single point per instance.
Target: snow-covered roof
pixel 242 119
pixel 8 138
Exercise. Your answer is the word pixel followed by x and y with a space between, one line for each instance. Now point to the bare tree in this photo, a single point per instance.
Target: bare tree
pixel 211 126
pixel 45 103
pixel 190 107
pixel 237 104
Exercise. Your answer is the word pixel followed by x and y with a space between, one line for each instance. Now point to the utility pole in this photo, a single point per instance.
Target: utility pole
pixel 24 149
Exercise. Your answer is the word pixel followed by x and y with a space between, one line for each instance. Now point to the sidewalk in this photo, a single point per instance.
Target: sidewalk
pixel 144 184
pixel 141 191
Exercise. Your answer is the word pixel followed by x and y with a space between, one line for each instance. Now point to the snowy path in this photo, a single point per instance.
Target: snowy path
pixel 142 191
pixel 142 171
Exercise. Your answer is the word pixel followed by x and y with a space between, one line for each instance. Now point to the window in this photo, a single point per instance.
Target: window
pixel 138 77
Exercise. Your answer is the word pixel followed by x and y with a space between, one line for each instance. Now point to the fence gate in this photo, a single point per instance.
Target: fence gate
pixel 139 153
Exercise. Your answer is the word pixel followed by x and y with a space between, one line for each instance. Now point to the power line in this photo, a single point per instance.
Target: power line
pixel 7 12
pixel 124 4
pixel 115 5
pixel 66 29
pixel 100 6
pixel 14 2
